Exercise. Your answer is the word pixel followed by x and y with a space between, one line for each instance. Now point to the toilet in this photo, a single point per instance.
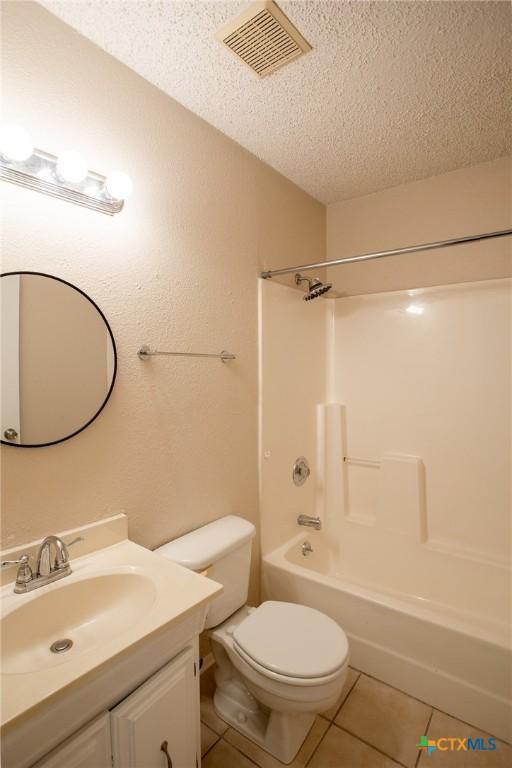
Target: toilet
pixel 277 665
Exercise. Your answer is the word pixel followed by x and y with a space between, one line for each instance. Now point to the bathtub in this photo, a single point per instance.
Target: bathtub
pixel 456 660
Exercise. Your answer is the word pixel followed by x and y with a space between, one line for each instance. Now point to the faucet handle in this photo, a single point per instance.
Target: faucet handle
pixel 65 553
pixel 24 574
pixel 62 557
pixel 75 541
pixel 23 560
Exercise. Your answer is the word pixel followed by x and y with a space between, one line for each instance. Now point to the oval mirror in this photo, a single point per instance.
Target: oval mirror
pixel 58 360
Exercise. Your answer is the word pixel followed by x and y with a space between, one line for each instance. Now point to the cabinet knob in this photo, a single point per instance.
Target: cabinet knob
pixel 163 748
pixel 10 434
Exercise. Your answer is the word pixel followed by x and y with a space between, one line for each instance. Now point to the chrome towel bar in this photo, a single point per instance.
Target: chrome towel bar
pixel 144 352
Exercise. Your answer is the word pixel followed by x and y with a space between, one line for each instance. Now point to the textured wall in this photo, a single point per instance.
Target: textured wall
pixel 463 202
pixel 177 444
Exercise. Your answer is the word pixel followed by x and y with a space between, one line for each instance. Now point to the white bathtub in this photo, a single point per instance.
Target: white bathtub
pixel 456 660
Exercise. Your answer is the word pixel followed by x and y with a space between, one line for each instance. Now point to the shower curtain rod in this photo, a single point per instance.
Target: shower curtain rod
pixel 383 254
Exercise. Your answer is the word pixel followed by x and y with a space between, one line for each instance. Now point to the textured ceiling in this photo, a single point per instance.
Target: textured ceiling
pixel 392 91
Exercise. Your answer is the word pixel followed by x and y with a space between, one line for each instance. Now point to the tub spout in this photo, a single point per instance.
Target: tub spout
pixel 310 522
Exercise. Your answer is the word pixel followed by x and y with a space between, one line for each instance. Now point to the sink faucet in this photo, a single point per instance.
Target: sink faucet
pixel 310 522
pixel 48 568
pixel 45 565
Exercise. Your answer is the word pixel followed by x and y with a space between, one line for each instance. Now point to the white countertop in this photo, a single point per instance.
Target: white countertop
pixel 175 592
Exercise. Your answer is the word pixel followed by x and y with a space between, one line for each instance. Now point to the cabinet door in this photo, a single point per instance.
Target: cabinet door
pixel 156 726
pixel 87 748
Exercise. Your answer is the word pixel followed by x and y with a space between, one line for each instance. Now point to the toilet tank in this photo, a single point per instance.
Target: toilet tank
pixel 223 549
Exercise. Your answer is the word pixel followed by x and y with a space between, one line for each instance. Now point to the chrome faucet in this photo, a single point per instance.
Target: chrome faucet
pixel 310 522
pixel 48 568
pixel 60 563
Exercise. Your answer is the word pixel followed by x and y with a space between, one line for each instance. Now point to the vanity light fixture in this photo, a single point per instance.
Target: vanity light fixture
pixel 66 177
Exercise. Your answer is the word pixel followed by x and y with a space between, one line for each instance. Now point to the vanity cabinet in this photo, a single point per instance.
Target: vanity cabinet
pixel 131 678
pixel 85 749
pixel 156 726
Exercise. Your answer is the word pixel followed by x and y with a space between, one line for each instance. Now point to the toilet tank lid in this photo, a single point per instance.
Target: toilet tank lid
pixel 206 545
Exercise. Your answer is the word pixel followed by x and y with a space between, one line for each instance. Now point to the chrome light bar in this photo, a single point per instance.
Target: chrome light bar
pixel 39 172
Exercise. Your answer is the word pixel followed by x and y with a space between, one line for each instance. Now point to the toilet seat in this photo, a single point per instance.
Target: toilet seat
pixel 290 642
pixel 284 680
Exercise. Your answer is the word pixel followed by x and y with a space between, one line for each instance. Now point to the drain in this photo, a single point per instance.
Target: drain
pixel 60 646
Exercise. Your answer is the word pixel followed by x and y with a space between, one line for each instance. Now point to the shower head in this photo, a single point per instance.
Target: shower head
pixel 316 287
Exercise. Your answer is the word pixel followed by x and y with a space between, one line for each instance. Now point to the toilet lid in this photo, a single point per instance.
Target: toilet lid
pixel 292 640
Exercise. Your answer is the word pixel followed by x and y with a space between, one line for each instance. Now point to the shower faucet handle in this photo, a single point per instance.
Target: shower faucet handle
pixel 301 471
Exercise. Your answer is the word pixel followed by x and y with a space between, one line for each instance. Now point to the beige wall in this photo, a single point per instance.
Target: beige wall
pixel 463 202
pixel 177 444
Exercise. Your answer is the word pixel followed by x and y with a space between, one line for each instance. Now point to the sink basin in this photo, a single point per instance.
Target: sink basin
pixel 88 612
pixel 120 599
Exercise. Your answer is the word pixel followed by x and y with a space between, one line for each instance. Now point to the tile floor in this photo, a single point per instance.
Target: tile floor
pixel 372 726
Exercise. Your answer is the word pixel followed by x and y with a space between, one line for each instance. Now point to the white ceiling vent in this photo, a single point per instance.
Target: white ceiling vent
pixel 263 38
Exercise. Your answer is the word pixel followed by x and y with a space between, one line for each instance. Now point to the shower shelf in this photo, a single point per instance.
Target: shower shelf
pixel 144 352
pixel 363 462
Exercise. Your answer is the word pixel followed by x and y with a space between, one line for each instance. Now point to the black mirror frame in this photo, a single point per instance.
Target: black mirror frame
pixel 88 423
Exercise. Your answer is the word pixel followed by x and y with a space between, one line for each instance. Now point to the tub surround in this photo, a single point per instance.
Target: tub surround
pixel 293 379
pixel 427 373
pixel 376 529
pixel 397 379
pixel 413 388
pixel 59 693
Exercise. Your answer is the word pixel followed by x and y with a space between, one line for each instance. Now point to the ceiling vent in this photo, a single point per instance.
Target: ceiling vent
pixel 263 38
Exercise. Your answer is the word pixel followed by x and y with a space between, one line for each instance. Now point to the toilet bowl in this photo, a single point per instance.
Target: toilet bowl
pixel 269 698
pixel 277 665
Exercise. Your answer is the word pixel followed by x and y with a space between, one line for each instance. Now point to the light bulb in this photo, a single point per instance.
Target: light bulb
pixel 119 185
pixel 71 166
pixel 15 143
pixel 45 174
